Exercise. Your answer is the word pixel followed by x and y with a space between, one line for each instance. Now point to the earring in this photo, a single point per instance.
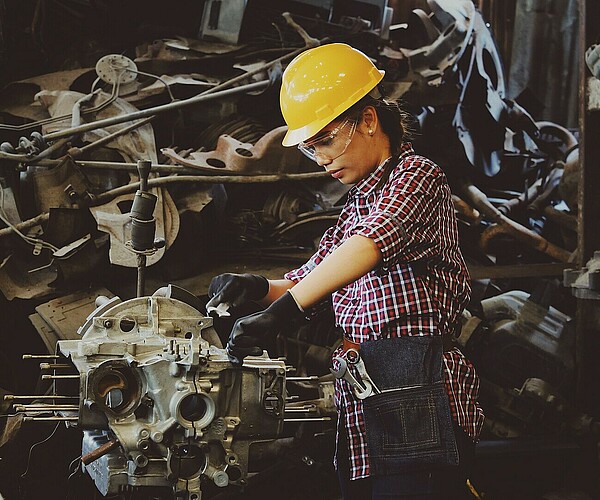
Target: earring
pixel 371 132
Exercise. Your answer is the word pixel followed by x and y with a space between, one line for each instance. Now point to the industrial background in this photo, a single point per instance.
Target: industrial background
pixel 140 155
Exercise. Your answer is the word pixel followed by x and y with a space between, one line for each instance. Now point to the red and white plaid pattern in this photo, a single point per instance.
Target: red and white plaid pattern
pixel 420 288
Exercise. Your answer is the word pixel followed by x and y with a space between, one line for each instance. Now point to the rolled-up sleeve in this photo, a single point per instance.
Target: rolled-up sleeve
pixel 404 221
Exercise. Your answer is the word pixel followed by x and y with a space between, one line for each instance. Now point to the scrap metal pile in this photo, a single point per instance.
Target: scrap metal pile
pixel 157 394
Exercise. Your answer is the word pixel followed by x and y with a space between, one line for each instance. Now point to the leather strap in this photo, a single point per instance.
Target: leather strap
pixel 348 344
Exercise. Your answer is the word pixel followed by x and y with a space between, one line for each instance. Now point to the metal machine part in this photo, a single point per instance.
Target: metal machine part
pixel 584 282
pixel 161 406
pixel 519 336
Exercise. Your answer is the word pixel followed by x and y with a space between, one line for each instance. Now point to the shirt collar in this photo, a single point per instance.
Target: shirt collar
pixel 374 179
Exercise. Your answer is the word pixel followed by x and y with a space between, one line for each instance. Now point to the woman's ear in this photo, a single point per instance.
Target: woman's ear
pixel 370 119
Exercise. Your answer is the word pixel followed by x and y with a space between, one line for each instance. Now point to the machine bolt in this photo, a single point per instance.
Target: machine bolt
pixel 108 323
pixel 140 460
pixel 220 478
pixel 157 436
pixel 143 444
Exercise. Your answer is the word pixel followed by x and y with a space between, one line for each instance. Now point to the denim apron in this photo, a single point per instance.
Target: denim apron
pixel 409 424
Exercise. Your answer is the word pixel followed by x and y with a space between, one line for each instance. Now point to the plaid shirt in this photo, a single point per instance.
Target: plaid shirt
pixel 420 288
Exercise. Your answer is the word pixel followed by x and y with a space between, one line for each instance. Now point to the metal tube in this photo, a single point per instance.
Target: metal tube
pixel 505 225
pixel 40 356
pixel 57 377
pixel 50 419
pixel 107 122
pixel 53 366
pixel 163 181
pixel 10 397
pixel 99 452
pixel 75 152
pixel 211 179
pixel 308 419
pixel 141 275
pixel 24 408
pixel 305 409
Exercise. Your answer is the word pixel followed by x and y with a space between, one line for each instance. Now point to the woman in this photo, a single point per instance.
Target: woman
pixel 398 283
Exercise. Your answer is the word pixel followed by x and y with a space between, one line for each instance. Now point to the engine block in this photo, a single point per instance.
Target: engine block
pixel 160 404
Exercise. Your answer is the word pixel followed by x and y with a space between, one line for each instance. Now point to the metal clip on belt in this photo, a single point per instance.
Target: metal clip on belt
pixel 363 388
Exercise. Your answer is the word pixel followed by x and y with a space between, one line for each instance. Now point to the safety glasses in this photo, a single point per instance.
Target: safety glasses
pixel 330 144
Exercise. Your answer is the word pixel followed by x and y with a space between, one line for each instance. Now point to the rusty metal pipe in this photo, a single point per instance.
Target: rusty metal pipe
pixel 561 218
pixel 479 200
pixel 75 152
pixel 99 452
pixel 115 120
pixel 174 179
pixel 466 210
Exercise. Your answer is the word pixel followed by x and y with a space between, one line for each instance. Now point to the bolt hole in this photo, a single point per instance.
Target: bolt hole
pixel 214 162
pixel 126 325
pixel 244 152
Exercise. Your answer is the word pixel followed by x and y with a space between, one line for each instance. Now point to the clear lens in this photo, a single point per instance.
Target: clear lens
pixel 330 145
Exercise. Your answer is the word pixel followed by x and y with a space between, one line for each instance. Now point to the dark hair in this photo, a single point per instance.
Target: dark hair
pixel 394 120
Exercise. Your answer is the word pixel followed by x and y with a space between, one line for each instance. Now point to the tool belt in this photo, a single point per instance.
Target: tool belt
pixel 408 419
pixel 348 344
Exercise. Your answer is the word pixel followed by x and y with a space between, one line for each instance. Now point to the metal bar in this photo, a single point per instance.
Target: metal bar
pixel 302 379
pixel 40 356
pixel 210 179
pixel 10 397
pixel 119 166
pixel 141 275
pixel 107 122
pixel 59 377
pixel 22 408
pixel 307 409
pixel 53 366
pixel 50 419
pixel 99 452
pixel 308 419
pixel 105 140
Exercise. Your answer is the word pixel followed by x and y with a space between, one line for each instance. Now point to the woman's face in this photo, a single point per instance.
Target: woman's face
pixel 349 149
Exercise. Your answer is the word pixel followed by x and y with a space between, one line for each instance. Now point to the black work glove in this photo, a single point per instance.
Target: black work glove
pixel 236 289
pixel 248 333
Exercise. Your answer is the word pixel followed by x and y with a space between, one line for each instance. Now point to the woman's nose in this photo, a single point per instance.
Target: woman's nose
pixel 322 161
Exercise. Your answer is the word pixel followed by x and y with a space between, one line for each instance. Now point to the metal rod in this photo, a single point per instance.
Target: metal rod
pixel 163 181
pixel 105 140
pixel 141 275
pixel 107 122
pixel 50 419
pixel 40 356
pixel 53 366
pixel 120 166
pixel 57 377
pixel 210 179
pixel 99 452
pixel 306 409
pixel 308 419
pixel 302 379
pixel 22 408
pixel 10 397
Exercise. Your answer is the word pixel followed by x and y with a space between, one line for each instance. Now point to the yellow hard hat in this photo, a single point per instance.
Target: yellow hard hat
pixel 320 84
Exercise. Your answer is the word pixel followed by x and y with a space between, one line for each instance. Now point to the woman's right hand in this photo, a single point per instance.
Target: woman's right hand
pixel 236 289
